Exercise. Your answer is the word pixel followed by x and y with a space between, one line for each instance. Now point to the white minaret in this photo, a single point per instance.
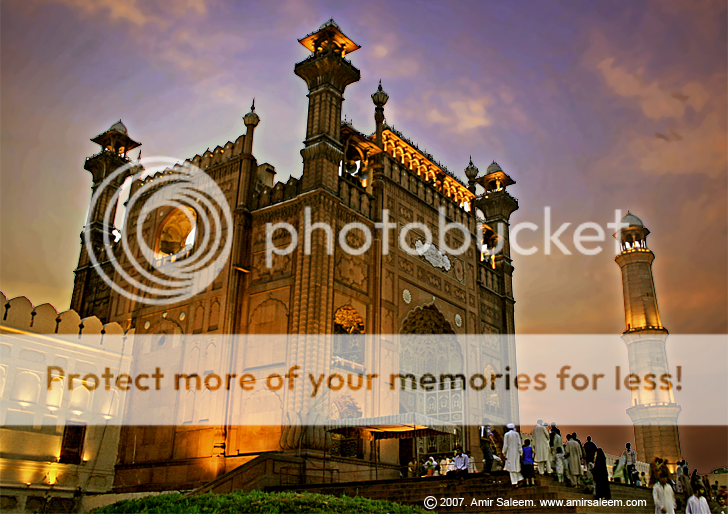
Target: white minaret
pixel 653 411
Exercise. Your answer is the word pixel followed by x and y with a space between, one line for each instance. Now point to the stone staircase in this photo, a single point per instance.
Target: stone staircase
pixel 483 487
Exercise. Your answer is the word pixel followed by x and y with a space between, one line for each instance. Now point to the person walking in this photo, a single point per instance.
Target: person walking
pixel 663 496
pixel 630 459
pixel 541 445
pixel 590 450
pixel 601 476
pixel 697 503
pixel 573 455
pixel 559 464
pixel 527 468
pixel 555 441
pixel 486 446
pixel 512 451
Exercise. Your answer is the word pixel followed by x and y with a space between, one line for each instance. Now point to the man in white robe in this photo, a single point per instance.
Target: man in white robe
pixel 663 496
pixel 541 447
pixel 555 442
pixel 512 451
pixel 573 454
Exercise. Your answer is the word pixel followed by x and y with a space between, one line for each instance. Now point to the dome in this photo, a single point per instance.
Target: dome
pixel 119 127
pixel 493 168
pixel 251 118
pixel 632 221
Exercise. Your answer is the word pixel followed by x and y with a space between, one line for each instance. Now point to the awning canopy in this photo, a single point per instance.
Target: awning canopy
pixel 397 426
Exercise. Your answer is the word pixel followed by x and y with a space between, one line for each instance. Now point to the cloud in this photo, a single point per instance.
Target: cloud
pixel 656 101
pixel 701 149
pixel 462 114
pixel 127 11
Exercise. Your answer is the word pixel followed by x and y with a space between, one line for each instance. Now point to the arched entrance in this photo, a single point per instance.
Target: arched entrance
pixel 430 346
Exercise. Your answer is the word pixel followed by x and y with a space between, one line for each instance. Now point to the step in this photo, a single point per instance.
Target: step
pixel 414 490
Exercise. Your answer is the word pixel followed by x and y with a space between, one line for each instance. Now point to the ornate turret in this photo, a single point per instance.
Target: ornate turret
pixel 497 206
pixel 90 294
pixel 327 74
pixel 115 144
pixel 653 411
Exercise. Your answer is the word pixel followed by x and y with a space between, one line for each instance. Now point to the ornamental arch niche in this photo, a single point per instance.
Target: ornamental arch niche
pixel 430 346
pixel 270 317
pixel 349 328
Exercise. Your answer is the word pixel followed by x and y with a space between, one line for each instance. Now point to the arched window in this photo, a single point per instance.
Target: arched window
pixel 26 388
pixel 54 396
pixel 80 399
pixel 176 235
pixel 189 409
pixel 2 380
pixel 199 319
pixel 192 365
pixel 214 316
pixel 108 403
pixel 204 406
pixel 209 358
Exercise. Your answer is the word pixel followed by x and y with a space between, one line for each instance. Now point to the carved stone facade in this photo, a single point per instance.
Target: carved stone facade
pixel 348 177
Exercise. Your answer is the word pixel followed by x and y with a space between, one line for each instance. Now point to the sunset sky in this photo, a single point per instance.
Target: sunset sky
pixel 590 106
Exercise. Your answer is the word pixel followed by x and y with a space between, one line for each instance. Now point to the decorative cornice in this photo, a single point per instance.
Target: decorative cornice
pixel 322 148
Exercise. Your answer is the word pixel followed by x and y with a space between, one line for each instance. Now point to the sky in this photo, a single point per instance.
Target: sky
pixel 590 106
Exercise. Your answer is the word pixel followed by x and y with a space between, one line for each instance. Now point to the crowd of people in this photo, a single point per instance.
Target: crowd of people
pixel 671 492
pixel 547 452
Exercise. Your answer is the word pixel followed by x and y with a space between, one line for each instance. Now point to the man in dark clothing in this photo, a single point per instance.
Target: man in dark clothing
pixel 486 445
pixel 590 450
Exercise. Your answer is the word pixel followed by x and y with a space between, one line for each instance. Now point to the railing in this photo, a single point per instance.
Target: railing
pixel 168 259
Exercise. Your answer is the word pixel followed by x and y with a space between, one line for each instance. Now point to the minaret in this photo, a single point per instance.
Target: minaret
pixel 654 412
pixel 90 294
pixel 327 74
pixel 497 205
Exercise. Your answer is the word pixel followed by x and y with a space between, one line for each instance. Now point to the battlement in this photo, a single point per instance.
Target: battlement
pixel 20 315
pixel 208 159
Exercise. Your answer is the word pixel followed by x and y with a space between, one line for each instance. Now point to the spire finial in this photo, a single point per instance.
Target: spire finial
pixel 252 107
pixel 139 157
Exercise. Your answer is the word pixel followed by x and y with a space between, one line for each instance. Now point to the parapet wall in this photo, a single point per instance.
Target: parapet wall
pixel 19 313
